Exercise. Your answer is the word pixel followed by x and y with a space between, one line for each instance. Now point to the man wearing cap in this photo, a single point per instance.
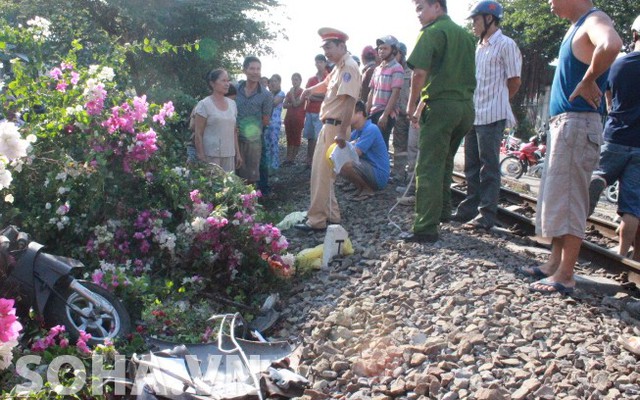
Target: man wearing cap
pixel 312 123
pixel 498 66
pixel 370 61
pixel 620 154
pixel 444 78
pixel 341 88
pixel 575 134
pixel 385 86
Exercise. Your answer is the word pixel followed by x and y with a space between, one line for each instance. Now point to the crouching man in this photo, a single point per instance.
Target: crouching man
pixel 372 172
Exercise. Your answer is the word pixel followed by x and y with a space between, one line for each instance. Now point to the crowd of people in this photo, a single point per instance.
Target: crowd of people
pixel 454 85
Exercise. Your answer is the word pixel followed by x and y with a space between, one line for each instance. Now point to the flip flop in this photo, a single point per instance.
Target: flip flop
pixel 551 287
pixel 534 272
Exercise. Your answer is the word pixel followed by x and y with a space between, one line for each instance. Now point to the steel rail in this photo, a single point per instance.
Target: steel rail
pixel 523 225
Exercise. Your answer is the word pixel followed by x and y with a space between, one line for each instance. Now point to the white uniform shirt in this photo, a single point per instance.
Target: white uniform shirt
pixel 496 61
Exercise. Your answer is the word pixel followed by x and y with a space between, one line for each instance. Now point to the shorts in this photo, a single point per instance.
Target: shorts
pixel 367 173
pixel 622 163
pixel 572 156
pixel 312 126
pixel 251 152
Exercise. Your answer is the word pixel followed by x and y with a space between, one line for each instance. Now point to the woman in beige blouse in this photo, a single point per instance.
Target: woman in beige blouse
pixel 216 137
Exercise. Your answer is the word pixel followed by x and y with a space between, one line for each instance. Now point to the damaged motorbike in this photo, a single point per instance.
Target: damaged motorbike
pixel 45 283
pixel 232 368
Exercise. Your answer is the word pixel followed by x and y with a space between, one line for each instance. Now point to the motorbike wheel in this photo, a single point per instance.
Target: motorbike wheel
pixel 101 324
pixel 511 167
pixel 611 193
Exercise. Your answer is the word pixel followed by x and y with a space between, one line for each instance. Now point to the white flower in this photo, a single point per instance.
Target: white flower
pixel 63 190
pixel 40 28
pixel 5 177
pixel 6 353
pixel 289 259
pixel 93 69
pixel 179 171
pixel 60 226
pixel 62 176
pixel 47 206
pixel 31 138
pixel 199 224
pixel 12 145
pixel 107 267
pixel 9 198
pixel 106 74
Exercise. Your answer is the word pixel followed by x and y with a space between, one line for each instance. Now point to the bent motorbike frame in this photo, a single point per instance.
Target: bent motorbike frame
pixel 35 267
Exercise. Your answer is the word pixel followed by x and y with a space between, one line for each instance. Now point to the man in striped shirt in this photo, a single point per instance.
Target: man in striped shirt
pixel 386 83
pixel 498 66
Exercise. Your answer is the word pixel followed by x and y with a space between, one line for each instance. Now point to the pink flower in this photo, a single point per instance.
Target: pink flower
pixel 145 247
pixel 95 99
pixel 55 73
pixel 97 277
pixel 82 347
pixel 195 196
pixel 75 77
pixel 140 108
pixel 65 65
pixel 81 344
pixel 62 86
pixel 39 346
pixel 9 325
pixel 64 343
pixel 167 111
pixel 56 330
pixel 84 336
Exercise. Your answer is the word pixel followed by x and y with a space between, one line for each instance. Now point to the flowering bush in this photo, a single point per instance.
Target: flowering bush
pixel 104 172
pixel 96 171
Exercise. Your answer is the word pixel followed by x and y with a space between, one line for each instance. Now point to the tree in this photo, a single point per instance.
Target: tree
pixel 222 28
pixel 539 34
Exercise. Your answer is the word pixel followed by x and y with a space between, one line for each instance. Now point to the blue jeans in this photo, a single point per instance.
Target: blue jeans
pixel 482 171
pixel 622 163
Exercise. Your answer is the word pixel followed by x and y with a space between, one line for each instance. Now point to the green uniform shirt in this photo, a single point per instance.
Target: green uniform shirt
pixel 447 52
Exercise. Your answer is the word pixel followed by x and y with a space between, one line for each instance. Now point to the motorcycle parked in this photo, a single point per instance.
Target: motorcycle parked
pixel 45 283
pixel 529 157
pixel 509 142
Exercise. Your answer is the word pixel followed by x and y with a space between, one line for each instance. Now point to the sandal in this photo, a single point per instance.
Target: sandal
pixel 534 272
pixel 549 287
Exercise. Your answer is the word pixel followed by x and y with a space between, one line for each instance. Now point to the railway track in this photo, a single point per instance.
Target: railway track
pixel 518 216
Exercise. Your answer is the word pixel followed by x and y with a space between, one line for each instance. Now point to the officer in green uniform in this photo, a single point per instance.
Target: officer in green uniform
pixel 443 63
